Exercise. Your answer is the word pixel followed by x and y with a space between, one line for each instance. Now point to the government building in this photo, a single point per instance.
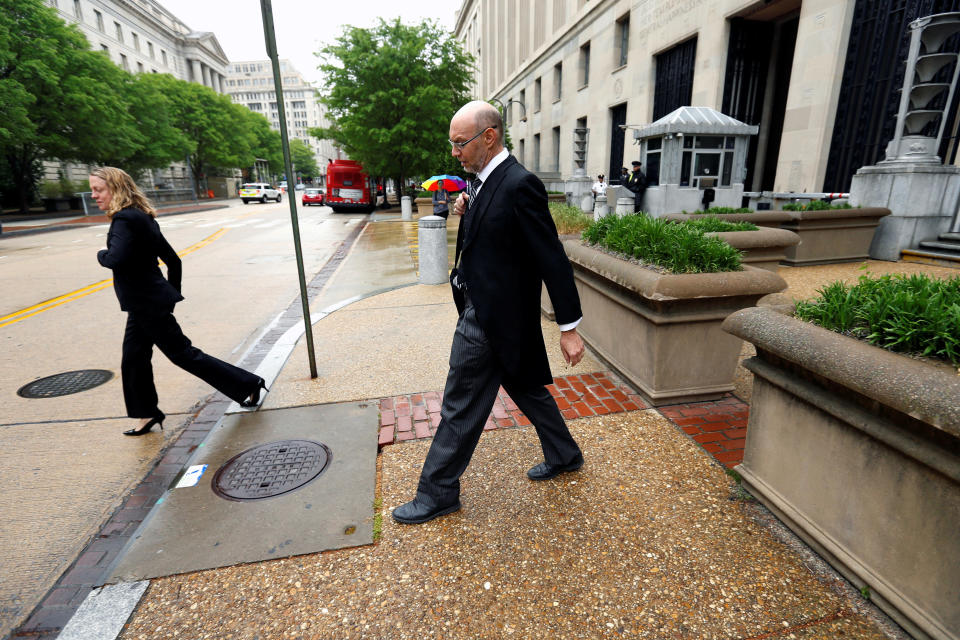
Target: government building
pixel 819 78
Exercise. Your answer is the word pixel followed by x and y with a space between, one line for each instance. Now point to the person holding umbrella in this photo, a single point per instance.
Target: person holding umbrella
pixel 442 185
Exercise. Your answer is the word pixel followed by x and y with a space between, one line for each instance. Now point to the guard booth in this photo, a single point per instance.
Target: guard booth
pixel 693 156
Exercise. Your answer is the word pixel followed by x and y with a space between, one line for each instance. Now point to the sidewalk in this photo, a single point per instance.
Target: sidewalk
pixel 14 225
pixel 651 539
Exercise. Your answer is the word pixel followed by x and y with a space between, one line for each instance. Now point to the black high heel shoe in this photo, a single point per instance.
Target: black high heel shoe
pixel 254 398
pixel 157 419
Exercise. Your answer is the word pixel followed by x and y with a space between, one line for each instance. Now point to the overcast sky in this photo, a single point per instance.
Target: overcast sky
pixel 302 28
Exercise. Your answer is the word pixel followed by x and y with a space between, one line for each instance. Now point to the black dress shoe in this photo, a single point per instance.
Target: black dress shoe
pixel 416 512
pixel 544 471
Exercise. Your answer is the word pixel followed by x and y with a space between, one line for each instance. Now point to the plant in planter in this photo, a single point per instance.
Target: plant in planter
pixel 58 196
pixel 857 447
pixel 761 247
pixel 655 294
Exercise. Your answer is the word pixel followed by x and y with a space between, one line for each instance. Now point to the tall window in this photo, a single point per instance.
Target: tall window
pixel 623 39
pixel 136 42
pixel 674 84
pixel 99 18
pixel 537 93
pixel 77 10
pixel 557 80
pixel 521 149
pixel 585 65
pixel 124 63
pixel 139 67
pixel 163 55
pixel 523 102
pixel 116 25
pixel 150 50
pixel 536 152
pixel 556 149
pixel 105 49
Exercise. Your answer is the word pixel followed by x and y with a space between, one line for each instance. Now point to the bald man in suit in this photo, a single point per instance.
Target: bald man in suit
pixel 507 246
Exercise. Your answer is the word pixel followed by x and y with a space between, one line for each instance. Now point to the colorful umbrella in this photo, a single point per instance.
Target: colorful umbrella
pixel 448 183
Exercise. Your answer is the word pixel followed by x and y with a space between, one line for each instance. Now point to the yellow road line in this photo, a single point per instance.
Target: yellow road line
pixel 46 305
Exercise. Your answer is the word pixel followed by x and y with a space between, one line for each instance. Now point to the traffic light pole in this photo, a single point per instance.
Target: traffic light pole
pixel 271 41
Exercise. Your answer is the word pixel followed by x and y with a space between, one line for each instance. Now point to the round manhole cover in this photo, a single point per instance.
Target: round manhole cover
pixel 271 469
pixel 63 384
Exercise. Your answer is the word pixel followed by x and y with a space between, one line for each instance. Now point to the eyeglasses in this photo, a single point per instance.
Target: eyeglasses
pixel 461 145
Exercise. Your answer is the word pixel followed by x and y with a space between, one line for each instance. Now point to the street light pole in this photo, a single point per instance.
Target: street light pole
pixel 271 41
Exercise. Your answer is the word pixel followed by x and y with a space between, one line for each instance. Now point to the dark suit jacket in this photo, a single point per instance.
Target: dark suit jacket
pixel 134 243
pixel 509 247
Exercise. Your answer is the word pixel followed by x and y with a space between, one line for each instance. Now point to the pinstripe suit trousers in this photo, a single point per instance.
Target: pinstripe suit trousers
pixel 472 384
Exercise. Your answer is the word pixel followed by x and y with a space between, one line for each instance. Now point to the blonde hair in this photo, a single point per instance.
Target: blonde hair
pixel 124 192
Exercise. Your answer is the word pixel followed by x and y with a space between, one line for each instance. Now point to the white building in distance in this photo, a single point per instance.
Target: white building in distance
pixel 251 84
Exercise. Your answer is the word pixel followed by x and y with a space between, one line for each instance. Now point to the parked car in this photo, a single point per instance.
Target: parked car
pixel 258 191
pixel 312 196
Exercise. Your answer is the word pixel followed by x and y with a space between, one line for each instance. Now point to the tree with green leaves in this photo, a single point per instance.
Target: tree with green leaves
pixel 390 92
pixel 218 131
pixel 58 99
pixel 304 162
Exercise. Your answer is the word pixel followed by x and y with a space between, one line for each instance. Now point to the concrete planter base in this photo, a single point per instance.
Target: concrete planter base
pixel 837 235
pixel 771 219
pixel 662 332
pixel 424 206
pixel 858 451
pixel 764 248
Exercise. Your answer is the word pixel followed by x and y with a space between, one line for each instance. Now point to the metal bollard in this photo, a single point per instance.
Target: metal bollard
pixel 432 250
pixel 624 206
pixel 600 208
pixel 406 209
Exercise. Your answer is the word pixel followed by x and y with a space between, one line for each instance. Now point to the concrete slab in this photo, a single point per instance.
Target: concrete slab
pixel 104 612
pixel 191 528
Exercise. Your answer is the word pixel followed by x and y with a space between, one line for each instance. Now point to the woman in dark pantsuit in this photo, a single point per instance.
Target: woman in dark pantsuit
pixel 134 243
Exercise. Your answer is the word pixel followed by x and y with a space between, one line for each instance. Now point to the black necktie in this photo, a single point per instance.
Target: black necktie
pixel 474 187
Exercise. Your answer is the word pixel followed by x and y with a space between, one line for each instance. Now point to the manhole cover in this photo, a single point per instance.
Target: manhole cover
pixel 63 384
pixel 271 469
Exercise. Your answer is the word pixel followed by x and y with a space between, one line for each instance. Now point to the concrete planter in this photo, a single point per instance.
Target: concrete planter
pixel 837 235
pixel 556 197
pixel 763 248
pixel 858 451
pixel 424 206
pixel 662 332
pixel 773 219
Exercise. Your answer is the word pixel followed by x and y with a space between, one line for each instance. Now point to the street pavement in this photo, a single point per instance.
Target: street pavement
pixel 651 539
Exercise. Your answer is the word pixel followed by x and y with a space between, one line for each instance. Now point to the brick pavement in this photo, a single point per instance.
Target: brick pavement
pixel 719 426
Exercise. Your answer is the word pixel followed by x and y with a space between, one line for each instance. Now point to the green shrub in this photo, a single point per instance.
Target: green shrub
pixel 815 205
pixel 723 210
pixel 709 224
pixel 569 219
pixel 911 314
pixel 679 248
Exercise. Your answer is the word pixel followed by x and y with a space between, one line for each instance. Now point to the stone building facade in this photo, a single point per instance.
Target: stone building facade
pixel 141 36
pixel 577 77
pixel 251 84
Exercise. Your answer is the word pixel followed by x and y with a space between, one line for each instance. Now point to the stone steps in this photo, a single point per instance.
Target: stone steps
pixel 944 251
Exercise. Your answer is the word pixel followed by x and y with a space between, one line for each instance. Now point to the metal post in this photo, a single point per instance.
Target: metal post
pixel 271 41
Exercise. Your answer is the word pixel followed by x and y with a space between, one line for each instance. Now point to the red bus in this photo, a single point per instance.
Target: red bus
pixel 349 188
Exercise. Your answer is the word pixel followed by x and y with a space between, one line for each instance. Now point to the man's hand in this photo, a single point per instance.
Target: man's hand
pixel 572 346
pixel 460 206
